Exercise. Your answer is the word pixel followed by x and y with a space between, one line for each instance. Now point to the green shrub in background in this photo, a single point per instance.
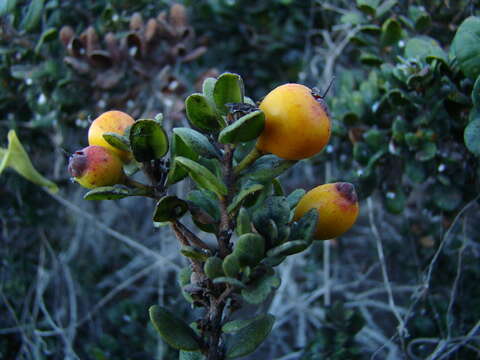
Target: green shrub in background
pixel 412 120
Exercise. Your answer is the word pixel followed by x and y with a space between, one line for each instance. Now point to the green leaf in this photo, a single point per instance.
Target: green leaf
pixel 228 89
pixel 190 355
pixel 476 93
pixel 33 16
pixel 420 17
pixel 236 325
pixel 385 7
pixel 395 201
pixel 173 330
pixel 447 198
pixel 213 267
pixel 391 32
pixel 288 248
pixel 194 253
pixel 229 281
pixel 258 290
pixel 148 140
pixel 231 265
pixel 238 199
pixel 47 35
pixel 179 148
pixel 427 152
pixel 294 197
pixel 247 128
pixel 466 46
pixel 424 48
pixel 247 339
pixel 249 249
pixel 116 140
pixel 368 6
pixel 169 208
pixel 207 90
pixel 112 193
pixel 370 59
pixel 201 114
pixel 204 208
pixel 7 6
pixel 243 222
pixel 305 227
pixel 415 172
pixel 202 176
pixel 471 137
pixel 268 167
pixel 197 142
pixel 17 158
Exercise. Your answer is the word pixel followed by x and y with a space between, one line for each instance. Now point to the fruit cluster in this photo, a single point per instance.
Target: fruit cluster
pixel 235 158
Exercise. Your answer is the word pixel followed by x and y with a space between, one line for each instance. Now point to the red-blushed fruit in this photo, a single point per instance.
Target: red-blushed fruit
pixel 111 121
pixel 96 166
pixel 297 123
pixel 337 206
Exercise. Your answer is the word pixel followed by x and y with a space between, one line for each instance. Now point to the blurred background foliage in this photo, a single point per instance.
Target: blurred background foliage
pixel 77 277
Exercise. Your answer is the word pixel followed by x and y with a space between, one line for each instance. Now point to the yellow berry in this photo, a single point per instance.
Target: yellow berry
pixel 110 121
pixel 96 166
pixel 297 123
pixel 337 206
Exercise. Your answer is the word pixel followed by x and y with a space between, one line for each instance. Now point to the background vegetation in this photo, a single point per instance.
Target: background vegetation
pixel 76 277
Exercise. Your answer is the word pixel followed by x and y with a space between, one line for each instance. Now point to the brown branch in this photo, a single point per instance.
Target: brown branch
pixel 194 239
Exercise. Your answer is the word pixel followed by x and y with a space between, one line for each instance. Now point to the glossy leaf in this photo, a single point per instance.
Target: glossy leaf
pixel 268 167
pixel 202 176
pixel 17 158
pixel 472 137
pixel 228 89
pixel 169 208
pixel 247 339
pixel 112 193
pixel 33 16
pixel 466 46
pixel 238 199
pixel 247 128
pixel 391 32
pixel 204 208
pixel 207 90
pixel 288 248
pixel 148 140
pixel 179 148
pixel 200 113
pixel 173 330
pixel 243 222
pixel 368 6
pixel 197 142
pixel 424 47
pixel 116 140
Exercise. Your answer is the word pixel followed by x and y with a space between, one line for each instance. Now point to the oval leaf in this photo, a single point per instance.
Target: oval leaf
pixel 247 339
pixel 169 208
pixel 116 140
pixel 268 167
pixel 472 137
pixel 391 32
pixel 148 140
pixel 250 249
pixel 466 46
pixel 213 267
pixel 197 142
pixel 237 200
pixel 231 265
pixel 202 176
pixel 304 228
pixel 228 89
pixel 288 248
pixel 173 330
pixel 247 128
pixel 200 113
pixel 258 290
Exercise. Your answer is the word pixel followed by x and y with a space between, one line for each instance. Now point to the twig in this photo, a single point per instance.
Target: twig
pixel 194 239
pixel 402 330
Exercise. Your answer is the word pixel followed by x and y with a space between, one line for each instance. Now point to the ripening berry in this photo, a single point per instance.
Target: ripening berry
pixel 337 206
pixel 96 166
pixel 110 121
pixel 297 122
